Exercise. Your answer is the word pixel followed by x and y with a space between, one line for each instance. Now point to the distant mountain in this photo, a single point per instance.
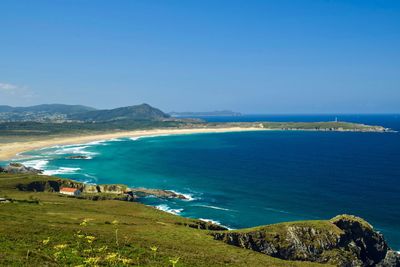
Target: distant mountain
pixel 204 114
pixel 138 112
pixel 48 108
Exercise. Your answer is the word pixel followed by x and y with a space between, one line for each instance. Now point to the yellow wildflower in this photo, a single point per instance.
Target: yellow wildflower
pixel 126 261
pixel 174 261
pixel 103 248
pixel 60 246
pixel 46 241
pixel 154 248
pixel 92 260
pixel 90 239
pixel 111 257
pixel 85 222
pixel 115 222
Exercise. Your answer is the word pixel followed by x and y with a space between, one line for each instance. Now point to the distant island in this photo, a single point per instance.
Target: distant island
pixel 226 113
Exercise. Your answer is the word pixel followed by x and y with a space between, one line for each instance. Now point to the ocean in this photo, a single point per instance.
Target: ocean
pixel 246 179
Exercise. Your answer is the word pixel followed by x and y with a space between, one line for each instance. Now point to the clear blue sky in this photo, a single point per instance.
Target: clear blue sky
pixel 309 56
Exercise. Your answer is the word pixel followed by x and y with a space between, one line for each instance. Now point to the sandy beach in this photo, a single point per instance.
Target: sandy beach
pixel 11 150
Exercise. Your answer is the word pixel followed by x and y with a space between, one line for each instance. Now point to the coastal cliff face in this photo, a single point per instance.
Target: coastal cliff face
pixel 343 241
pixel 97 192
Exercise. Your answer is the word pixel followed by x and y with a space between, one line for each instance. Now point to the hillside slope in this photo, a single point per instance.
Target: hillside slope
pixel 70 231
pixel 138 112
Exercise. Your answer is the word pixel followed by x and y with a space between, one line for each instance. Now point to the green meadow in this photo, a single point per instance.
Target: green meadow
pixel 48 229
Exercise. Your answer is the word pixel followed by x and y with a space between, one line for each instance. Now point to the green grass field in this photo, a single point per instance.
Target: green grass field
pixel 47 229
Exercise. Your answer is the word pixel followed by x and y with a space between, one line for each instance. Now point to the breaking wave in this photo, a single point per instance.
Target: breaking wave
pixel 38 164
pixel 166 208
pixel 61 170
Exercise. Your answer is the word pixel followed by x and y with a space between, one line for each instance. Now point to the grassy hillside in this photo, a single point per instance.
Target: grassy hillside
pixel 47 229
pixel 143 112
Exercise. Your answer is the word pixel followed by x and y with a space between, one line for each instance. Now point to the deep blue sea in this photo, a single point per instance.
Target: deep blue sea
pixel 252 178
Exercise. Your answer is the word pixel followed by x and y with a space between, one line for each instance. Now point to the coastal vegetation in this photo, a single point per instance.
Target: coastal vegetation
pixel 81 231
pixel 49 229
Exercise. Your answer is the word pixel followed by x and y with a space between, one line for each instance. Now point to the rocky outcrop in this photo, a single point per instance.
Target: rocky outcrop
pixel 343 241
pixel 392 258
pixel 105 188
pixel 51 185
pixel 19 168
pixel 77 157
pixel 97 192
pixel 203 225
pixel 144 192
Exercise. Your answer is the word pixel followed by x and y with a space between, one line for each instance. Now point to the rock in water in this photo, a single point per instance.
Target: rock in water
pixel 77 157
pixel 343 241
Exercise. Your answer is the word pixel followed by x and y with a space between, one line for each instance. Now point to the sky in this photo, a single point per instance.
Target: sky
pixel 297 56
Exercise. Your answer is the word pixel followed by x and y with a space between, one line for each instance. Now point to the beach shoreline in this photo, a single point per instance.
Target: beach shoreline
pixel 9 151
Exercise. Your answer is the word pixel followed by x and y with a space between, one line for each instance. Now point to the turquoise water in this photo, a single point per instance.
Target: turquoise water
pixel 250 178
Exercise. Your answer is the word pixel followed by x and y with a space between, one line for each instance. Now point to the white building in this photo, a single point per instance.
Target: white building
pixel 70 191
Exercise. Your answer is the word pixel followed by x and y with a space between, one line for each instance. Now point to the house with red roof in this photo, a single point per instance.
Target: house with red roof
pixel 70 191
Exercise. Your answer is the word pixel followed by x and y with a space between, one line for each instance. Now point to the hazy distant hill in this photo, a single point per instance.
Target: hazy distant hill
pixel 40 113
pixel 48 108
pixel 210 113
pixel 62 113
pixel 138 112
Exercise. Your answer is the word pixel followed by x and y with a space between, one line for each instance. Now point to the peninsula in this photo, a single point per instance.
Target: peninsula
pixel 24 129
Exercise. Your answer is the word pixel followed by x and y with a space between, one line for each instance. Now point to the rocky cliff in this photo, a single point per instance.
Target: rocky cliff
pixel 97 192
pixel 19 168
pixel 343 241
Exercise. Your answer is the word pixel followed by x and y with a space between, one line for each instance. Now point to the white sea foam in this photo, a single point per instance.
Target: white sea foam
pixel 73 150
pixel 189 197
pixel 115 140
pixel 210 221
pixel 147 136
pixel 61 170
pixel 213 207
pixel 166 208
pixel 215 222
pixel 38 164
pixel 93 179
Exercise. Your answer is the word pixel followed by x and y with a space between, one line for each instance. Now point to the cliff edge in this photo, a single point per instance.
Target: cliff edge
pixel 345 240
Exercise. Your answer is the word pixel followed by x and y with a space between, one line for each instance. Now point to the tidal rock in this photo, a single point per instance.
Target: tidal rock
pixel 144 192
pixel 77 157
